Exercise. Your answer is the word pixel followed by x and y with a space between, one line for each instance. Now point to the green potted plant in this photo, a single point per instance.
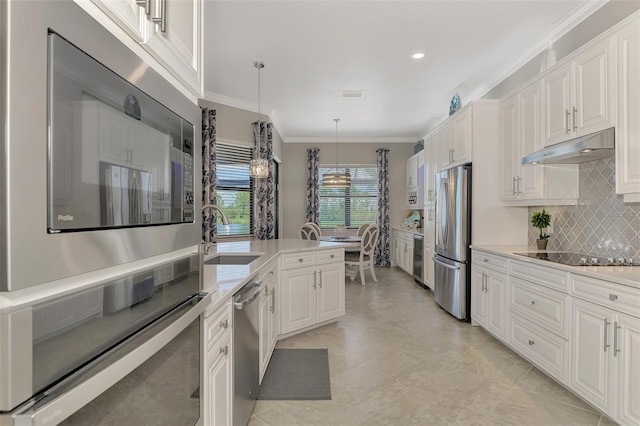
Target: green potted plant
pixel 541 220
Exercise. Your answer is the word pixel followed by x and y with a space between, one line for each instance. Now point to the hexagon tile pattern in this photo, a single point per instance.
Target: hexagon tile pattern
pixel 601 224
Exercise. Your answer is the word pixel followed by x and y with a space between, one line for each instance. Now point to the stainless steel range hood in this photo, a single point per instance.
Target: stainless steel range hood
pixel 593 146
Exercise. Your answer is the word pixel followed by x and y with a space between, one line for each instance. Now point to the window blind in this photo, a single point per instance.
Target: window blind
pixel 351 206
pixel 234 189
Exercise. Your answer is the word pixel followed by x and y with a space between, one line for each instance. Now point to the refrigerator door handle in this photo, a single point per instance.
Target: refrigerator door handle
pixel 446 265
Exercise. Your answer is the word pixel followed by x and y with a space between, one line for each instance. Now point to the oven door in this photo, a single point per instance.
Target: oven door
pixel 154 374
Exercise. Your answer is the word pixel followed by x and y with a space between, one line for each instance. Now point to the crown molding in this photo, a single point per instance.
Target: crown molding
pixel 556 32
pixel 234 102
pixel 364 139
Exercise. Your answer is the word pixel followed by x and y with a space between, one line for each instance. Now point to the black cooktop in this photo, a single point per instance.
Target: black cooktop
pixel 576 259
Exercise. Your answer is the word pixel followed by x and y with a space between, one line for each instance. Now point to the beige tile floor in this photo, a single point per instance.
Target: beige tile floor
pixel 396 358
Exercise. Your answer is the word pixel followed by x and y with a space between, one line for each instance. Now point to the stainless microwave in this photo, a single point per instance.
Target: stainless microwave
pixel 99 153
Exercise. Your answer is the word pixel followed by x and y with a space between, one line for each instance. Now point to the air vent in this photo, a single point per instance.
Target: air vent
pixel 353 93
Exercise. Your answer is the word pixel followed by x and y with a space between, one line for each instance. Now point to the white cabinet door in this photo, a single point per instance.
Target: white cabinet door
pixel 297 298
pixel 592 342
pixel 179 46
pixel 127 14
pixel 496 289
pixel 412 172
pixel 461 137
pixel 430 166
pixel 274 317
pixel 509 147
pixel 330 299
pixel 479 306
pixel 558 106
pixel 218 377
pixel 594 107
pixel 529 183
pixel 628 128
pixel 428 269
pixel 408 256
pixel 628 386
pixel 443 147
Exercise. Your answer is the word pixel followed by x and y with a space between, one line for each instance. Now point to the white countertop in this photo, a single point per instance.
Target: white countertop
pixel 231 278
pixel 625 275
pixel 418 231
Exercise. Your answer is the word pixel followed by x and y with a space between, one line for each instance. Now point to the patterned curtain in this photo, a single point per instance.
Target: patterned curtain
pixel 313 195
pixel 209 216
pixel 383 256
pixel 264 189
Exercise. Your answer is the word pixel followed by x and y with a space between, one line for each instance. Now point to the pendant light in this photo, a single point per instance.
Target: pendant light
pixel 259 167
pixel 336 177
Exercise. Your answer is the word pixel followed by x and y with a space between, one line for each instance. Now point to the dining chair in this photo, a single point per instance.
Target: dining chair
pixel 364 258
pixel 361 230
pixel 309 231
pixel 316 226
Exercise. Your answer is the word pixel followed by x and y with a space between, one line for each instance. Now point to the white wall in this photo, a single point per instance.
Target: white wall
pixel 294 174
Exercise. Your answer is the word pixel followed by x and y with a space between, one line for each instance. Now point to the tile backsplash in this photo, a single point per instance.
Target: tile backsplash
pixel 601 224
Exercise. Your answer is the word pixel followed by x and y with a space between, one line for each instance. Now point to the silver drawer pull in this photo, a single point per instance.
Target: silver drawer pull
pixel 533 302
pixel 224 350
pixel 332 256
pixel 531 343
pixel 486 260
pixel 224 324
pixel 616 327
pixel 613 297
pixel 300 260
pixel 606 334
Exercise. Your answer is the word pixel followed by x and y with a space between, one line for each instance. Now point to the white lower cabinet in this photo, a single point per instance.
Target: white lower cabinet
pixel 403 250
pixel 606 360
pixel 489 300
pixel 218 368
pixel 582 331
pixel 268 319
pixel 310 294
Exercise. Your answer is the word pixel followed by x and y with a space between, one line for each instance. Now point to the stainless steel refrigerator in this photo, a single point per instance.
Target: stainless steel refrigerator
pixel 452 257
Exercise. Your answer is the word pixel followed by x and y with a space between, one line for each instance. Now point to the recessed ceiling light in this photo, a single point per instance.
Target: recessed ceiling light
pixel 417 55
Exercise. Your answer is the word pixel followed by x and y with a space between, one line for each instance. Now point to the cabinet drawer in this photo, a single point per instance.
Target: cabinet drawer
pixel 328 256
pixel 548 277
pixel 269 272
pixel 407 236
pixel 545 349
pixel 492 261
pixel 298 260
pixel 615 296
pixel 215 325
pixel 545 307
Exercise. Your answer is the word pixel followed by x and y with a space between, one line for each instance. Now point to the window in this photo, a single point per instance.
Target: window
pixel 234 189
pixel 350 206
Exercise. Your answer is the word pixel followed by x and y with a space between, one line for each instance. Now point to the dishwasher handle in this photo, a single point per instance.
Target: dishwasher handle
pixel 240 304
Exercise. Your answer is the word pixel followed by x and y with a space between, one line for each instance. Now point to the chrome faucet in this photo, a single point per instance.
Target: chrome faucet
pixel 225 219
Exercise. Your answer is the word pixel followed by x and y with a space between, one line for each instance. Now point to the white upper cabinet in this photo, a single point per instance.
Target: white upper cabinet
pixel 519 136
pixel 579 95
pixel 454 146
pixel 628 128
pixel 430 166
pixel 170 30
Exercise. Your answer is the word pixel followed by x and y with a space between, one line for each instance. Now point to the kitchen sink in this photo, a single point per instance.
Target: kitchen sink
pixel 231 259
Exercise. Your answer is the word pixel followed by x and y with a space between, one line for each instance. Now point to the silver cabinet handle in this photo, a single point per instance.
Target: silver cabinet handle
pixel 332 256
pixel 485 260
pixel 616 327
pixel 224 324
pixel 320 283
pixel 513 185
pixel 518 192
pixel 162 19
pixel 606 334
pixel 486 286
pixel 300 260
pixel 575 112
pixel 613 297
pixel 224 350
pixel 567 121
pixel 315 279
pixel 533 302
pixel 531 342
pixel 146 5
pixel 484 283
pixel 272 308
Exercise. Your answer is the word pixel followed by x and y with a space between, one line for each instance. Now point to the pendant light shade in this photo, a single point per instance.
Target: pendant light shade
pixel 258 167
pixel 336 177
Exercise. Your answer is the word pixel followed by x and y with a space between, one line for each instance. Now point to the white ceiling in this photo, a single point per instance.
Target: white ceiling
pixel 313 50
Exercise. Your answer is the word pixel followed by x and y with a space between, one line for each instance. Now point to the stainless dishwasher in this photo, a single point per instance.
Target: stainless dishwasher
pixel 246 361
